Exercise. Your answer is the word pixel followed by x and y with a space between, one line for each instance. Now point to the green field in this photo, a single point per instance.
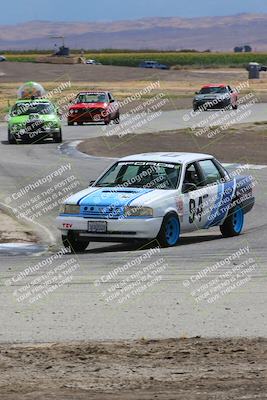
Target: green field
pixel 178 59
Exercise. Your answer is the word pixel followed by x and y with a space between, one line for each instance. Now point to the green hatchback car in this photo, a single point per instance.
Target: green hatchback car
pixel 33 120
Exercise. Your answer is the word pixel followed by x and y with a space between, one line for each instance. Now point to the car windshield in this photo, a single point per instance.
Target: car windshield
pixel 32 108
pixel 91 98
pixel 213 89
pixel 142 174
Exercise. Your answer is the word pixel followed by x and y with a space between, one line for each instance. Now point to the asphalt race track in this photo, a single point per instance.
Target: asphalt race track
pixel 78 311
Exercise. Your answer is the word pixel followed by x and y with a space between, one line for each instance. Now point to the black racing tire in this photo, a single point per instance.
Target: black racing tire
pixel 76 245
pixel 107 120
pixel 234 107
pixel 169 233
pixel 57 137
pixel 70 123
pixel 11 138
pixel 80 123
pixel 234 222
pixel 195 108
pixel 117 119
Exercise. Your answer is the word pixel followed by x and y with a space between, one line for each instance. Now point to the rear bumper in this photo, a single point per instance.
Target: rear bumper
pixel 117 229
pixel 248 204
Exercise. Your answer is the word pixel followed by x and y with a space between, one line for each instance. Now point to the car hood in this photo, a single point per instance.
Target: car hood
pixel 22 119
pixel 107 196
pixel 117 196
pixel 88 105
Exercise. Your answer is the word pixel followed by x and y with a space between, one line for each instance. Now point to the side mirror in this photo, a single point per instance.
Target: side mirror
pixel 91 183
pixel 71 101
pixel 189 187
pixel 196 92
pixel 112 101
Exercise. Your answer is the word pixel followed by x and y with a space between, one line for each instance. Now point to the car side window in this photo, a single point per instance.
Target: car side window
pixel 210 172
pixel 192 178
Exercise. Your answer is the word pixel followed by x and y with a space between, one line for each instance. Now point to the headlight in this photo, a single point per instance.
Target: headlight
pixel 70 209
pixel 138 211
pixel 16 127
pixel 50 125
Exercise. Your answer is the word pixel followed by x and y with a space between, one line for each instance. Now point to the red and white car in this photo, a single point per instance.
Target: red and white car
pixel 215 96
pixel 94 106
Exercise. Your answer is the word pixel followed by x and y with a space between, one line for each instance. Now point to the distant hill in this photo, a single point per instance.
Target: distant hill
pixel 173 33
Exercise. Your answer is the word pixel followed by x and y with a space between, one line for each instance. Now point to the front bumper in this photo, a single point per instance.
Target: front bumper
pixel 117 229
pixel 212 104
pixel 23 134
pixel 90 115
pixel 84 119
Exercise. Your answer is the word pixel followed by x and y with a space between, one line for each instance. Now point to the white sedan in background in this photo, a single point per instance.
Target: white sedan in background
pixel 156 196
pixel 92 62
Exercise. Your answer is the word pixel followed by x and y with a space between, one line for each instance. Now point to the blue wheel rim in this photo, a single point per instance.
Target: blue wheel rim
pixel 172 231
pixel 238 220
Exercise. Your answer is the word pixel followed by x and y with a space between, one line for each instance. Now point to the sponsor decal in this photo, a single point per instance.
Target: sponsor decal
pixel 67 226
pixel 180 207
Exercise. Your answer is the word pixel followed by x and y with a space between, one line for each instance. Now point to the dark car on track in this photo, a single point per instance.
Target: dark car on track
pixel 94 106
pixel 153 64
pixel 215 96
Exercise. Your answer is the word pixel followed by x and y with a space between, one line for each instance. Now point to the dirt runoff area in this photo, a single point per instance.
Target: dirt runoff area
pixel 11 231
pixel 240 144
pixel 174 369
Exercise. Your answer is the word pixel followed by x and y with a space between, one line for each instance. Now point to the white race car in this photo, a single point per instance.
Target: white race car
pixel 156 196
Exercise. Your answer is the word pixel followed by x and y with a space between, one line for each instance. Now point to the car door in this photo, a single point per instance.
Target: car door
pixel 194 196
pixel 218 191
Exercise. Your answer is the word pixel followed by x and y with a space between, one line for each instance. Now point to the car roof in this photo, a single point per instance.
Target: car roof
pixel 35 100
pixel 93 91
pixel 214 85
pixel 170 157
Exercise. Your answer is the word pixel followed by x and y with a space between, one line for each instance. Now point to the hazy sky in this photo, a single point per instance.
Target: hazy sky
pixel 15 11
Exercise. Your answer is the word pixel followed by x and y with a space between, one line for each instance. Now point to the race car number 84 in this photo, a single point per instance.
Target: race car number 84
pixel 195 211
